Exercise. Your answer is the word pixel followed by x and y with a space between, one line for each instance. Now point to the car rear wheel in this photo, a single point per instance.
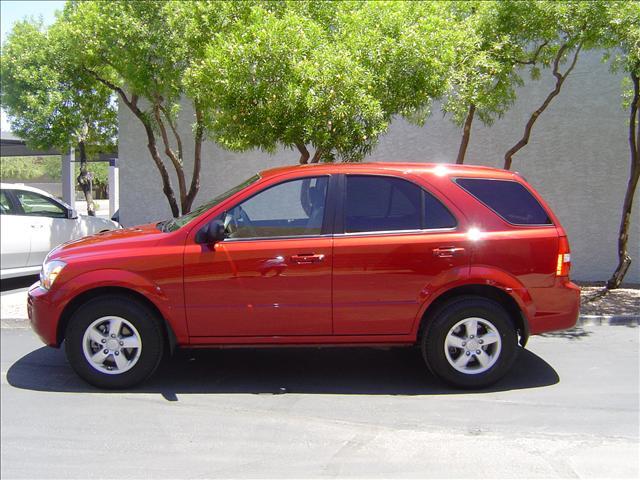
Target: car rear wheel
pixel 470 342
pixel 114 342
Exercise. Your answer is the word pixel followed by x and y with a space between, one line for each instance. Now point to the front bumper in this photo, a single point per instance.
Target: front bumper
pixel 43 315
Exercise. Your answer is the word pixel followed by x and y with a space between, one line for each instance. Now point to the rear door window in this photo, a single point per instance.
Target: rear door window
pixel 509 199
pixel 383 204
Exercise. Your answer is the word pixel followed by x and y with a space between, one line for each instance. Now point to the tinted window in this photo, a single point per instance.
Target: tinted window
pixel 287 209
pixel 436 214
pixel 38 205
pixel 509 199
pixel 379 204
pixel 176 223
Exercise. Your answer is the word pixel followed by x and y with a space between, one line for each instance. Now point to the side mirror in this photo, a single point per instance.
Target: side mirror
pixel 211 233
pixel 72 214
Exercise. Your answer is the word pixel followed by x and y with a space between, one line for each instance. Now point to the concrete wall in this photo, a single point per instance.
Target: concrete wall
pixel 578 158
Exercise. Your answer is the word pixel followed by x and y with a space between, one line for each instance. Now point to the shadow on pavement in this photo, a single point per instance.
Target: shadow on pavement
pixel 577 333
pixel 344 371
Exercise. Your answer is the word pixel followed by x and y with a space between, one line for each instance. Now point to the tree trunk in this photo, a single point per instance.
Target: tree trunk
pixel 560 78
pixel 176 160
pixel 304 153
pixel 466 133
pixel 197 161
pixel 624 259
pixel 164 174
pixel 83 180
pixel 132 104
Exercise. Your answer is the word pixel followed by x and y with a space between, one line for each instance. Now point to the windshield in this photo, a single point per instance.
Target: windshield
pixel 176 223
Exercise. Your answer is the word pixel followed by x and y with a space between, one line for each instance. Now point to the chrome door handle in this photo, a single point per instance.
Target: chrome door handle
pixel 447 252
pixel 305 258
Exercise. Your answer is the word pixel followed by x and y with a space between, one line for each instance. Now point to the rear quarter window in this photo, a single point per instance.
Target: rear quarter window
pixel 509 199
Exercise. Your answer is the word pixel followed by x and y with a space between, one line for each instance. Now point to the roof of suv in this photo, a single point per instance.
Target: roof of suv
pixel 438 169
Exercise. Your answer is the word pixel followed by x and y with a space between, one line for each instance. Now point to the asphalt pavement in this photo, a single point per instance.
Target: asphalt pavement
pixel 568 409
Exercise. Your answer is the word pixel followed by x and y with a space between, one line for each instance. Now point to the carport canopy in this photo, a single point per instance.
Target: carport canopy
pixel 13 146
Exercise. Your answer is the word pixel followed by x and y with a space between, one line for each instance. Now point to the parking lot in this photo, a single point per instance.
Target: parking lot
pixel 569 408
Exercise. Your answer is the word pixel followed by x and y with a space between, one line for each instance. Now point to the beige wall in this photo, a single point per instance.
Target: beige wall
pixel 578 158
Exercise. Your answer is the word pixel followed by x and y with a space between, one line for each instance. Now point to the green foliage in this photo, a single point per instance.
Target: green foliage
pixel 411 49
pixel 144 47
pixel 50 103
pixel 505 37
pixel 279 78
pixel 621 38
pixel 265 73
pixel 327 74
pixel 29 168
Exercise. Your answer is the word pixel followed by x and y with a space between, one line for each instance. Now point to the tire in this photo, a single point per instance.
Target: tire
pixel 114 342
pixel 465 358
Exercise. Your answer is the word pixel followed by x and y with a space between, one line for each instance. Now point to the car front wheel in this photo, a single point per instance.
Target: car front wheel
pixel 470 342
pixel 114 342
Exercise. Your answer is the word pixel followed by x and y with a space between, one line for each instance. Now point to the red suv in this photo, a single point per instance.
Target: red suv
pixel 464 261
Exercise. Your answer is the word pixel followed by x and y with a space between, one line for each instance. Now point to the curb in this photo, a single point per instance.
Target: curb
pixel 611 320
pixel 583 321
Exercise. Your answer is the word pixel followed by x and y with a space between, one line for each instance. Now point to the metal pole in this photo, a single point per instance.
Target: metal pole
pixel 68 180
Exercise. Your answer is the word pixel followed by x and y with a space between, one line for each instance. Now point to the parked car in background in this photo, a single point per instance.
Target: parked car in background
pixel 32 222
pixel 465 262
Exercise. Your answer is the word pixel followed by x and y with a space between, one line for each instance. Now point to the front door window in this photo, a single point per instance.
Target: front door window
pixel 289 209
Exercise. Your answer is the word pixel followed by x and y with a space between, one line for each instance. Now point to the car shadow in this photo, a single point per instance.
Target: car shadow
pixel 18 282
pixel 342 371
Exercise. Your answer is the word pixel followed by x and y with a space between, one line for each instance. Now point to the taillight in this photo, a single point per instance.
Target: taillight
pixel 564 258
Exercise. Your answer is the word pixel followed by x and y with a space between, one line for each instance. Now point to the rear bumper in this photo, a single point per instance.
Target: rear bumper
pixel 43 315
pixel 557 307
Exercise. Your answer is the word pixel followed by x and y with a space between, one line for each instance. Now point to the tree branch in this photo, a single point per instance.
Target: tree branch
pixel 174 130
pixel 560 78
pixel 534 59
pixel 317 155
pixel 110 85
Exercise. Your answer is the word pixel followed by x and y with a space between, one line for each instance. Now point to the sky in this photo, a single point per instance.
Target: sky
pixel 12 11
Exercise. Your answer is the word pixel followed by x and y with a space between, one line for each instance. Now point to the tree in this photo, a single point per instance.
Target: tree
pixel 501 38
pixel 140 51
pixel 52 104
pixel 279 79
pixel 323 76
pixel 566 28
pixel 623 36
pixel 411 49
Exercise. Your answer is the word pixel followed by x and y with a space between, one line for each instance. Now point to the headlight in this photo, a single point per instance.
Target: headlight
pixel 49 273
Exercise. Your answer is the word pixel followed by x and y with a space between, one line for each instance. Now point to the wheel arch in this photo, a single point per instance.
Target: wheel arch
pixel 515 311
pixel 168 333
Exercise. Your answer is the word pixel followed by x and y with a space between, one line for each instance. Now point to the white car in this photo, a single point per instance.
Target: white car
pixel 32 223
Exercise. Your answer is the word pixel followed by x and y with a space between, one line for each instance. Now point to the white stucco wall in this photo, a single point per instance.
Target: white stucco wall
pixel 578 158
